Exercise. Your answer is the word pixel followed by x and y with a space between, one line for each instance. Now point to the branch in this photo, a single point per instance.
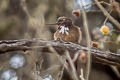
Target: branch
pixel 88 38
pixel 115 22
pixel 99 56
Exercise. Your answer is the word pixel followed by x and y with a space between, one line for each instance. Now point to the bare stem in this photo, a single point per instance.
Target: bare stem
pixel 88 43
pixel 72 65
pixel 106 19
pixel 115 22
pixel 85 23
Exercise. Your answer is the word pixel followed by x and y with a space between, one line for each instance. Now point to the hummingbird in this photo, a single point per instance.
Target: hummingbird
pixel 67 31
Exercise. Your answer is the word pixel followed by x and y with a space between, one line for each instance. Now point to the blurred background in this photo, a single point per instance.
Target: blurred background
pixel 26 19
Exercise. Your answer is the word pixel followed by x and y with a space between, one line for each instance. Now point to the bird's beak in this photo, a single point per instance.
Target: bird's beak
pixel 52 23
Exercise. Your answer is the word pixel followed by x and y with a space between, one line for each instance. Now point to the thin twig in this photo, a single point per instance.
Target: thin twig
pixel 72 65
pixel 88 44
pixel 106 19
pixel 24 7
pixel 82 74
pixel 63 61
pixel 115 22
pixel 76 56
pixel 85 23
pixel 55 52
pixel 102 2
pixel 61 72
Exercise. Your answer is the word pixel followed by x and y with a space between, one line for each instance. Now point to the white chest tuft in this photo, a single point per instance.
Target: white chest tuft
pixel 64 30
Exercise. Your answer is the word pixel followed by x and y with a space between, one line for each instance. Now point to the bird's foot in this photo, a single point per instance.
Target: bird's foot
pixel 59 40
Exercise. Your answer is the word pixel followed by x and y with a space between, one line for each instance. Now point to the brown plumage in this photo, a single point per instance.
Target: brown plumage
pixel 67 31
pixel 74 35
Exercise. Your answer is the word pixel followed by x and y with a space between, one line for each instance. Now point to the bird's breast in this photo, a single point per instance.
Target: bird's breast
pixel 64 30
pixel 72 35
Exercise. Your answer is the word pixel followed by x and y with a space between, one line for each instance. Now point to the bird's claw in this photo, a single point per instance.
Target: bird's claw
pixel 59 40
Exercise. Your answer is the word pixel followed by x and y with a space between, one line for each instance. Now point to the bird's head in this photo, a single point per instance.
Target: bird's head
pixel 63 21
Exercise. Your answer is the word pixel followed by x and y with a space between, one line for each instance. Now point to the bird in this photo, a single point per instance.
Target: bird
pixel 67 31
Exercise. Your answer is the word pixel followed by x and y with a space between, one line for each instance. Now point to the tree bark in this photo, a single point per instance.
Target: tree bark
pixel 99 56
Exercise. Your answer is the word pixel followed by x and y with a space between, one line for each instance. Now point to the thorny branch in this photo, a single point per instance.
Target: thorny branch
pixel 102 57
